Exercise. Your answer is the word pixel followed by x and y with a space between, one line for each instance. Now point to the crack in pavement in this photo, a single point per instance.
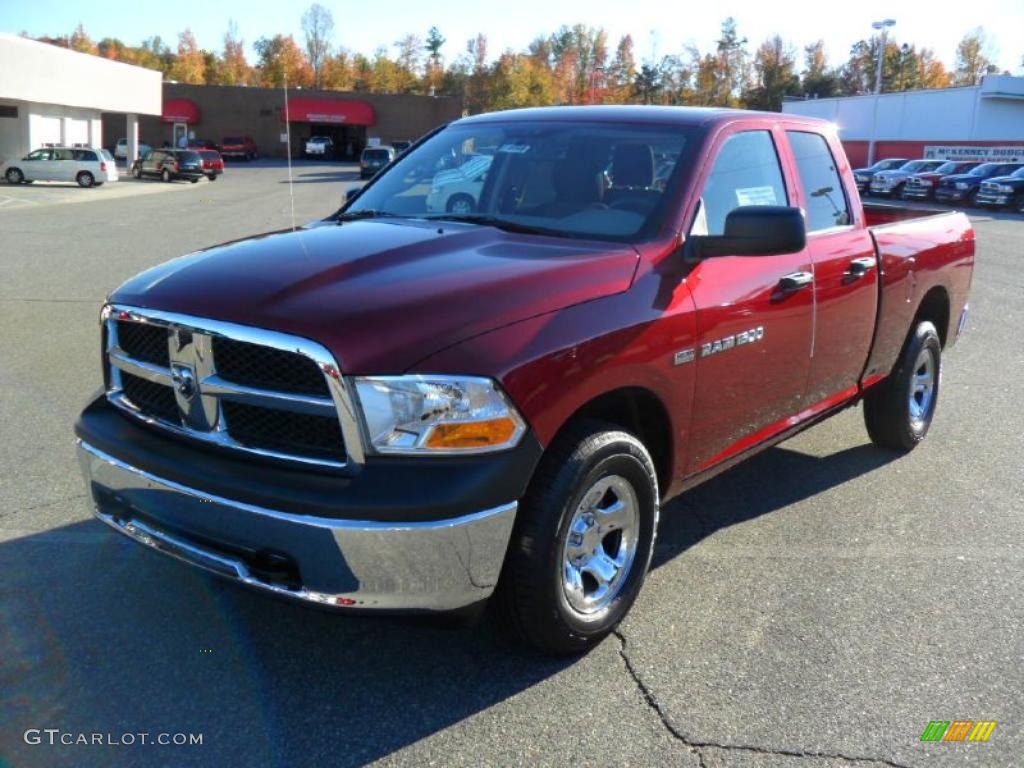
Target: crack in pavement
pixel 697 746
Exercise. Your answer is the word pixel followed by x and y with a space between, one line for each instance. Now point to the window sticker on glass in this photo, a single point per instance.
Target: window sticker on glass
pixel 514 149
pixel 755 196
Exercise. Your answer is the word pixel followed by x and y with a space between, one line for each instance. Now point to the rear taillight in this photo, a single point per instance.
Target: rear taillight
pixel 103 167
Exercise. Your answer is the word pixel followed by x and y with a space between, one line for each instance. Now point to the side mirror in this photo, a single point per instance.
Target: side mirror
pixel 755 230
pixel 351 194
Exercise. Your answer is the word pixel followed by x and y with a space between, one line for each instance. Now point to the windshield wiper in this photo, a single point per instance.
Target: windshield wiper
pixel 485 220
pixel 367 213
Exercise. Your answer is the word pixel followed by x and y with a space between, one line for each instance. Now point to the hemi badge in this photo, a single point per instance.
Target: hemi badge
pixel 683 356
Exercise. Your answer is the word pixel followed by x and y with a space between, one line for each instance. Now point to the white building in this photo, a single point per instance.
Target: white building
pixel 981 121
pixel 52 95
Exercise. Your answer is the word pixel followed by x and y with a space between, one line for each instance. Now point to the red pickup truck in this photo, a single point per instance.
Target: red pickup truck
pixel 400 410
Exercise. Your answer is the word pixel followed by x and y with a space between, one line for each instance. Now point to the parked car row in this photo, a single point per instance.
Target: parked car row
pixel 994 185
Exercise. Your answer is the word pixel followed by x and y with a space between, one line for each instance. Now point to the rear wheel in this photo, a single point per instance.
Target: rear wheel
pixel 460 204
pixel 212 177
pixel 583 540
pixel 194 179
pixel 899 410
pixel 14 176
pixel 85 179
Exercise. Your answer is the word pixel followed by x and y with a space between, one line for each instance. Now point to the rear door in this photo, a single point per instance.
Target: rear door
pixel 754 327
pixel 845 270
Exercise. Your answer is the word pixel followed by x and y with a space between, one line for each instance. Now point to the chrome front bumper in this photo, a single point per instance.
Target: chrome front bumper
pixel 429 566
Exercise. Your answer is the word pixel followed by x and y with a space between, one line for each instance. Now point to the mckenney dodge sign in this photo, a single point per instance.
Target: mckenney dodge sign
pixel 1002 154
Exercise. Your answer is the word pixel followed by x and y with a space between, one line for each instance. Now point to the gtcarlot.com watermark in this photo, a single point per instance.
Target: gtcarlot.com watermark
pixel 55 736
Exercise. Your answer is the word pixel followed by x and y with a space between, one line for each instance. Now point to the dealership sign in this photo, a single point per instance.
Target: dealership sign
pixel 988 154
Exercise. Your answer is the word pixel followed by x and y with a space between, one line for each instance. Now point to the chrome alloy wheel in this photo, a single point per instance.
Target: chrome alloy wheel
pixel 600 545
pixel 922 388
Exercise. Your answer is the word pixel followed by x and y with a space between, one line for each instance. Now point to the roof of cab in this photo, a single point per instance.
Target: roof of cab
pixel 689 116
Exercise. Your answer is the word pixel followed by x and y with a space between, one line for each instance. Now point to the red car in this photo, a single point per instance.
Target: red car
pixel 242 147
pixel 405 410
pixel 921 186
pixel 213 163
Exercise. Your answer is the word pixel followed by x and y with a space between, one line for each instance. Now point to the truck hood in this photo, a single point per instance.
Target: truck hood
pixel 963 177
pixel 382 295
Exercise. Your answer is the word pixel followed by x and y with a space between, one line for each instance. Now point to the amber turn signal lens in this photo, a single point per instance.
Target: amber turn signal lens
pixel 472 434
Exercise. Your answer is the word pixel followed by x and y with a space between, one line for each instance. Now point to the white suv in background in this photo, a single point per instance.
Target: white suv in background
pixel 83 165
pixel 121 149
pixel 320 145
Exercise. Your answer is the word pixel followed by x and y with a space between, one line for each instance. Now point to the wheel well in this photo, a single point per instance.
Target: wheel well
pixel 641 413
pixel 935 308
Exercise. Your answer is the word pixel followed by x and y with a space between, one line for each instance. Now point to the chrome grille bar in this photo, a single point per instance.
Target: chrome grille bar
pixel 192 365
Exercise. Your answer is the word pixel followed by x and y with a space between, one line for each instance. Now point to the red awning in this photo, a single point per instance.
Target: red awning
pixel 329 111
pixel 180 111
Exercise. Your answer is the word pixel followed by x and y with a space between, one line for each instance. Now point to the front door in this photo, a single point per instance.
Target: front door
pixel 754 313
pixel 180 135
pixel 845 273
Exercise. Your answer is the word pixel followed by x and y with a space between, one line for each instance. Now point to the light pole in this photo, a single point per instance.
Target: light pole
pixel 878 26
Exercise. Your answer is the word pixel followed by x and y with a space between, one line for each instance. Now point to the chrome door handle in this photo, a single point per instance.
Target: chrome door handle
pixel 795 280
pixel 860 267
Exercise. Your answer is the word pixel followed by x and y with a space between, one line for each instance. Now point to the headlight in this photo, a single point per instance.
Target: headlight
pixel 962 185
pixel 1005 188
pixel 437 414
pixel 925 182
pixel 861 179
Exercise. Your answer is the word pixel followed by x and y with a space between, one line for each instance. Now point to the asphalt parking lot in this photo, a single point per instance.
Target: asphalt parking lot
pixel 816 606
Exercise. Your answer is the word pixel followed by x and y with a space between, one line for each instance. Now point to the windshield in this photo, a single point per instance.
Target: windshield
pixel 915 165
pixel 377 154
pixel 888 165
pixel 232 140
pixel 188 157
pixel 1018 174
pixel 949 168
pixel 984 169
pixel 574 179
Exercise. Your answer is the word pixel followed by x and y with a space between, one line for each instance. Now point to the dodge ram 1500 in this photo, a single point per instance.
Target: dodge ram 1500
pixel 402 409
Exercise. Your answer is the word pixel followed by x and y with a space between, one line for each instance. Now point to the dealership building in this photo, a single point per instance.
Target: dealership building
pixel 980 122
pixel 52 95
pixel 352 120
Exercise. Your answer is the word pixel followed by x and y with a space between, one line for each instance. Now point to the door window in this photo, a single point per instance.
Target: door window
pixel 63 154
pixel 746 172
pixel 39 154
pixel 823 189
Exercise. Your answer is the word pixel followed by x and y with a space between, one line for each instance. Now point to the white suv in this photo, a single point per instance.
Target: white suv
pixel 320 145
pixel 88 167
pixel 121 149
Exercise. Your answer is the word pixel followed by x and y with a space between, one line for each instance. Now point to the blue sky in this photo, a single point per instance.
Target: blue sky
pixel 657 28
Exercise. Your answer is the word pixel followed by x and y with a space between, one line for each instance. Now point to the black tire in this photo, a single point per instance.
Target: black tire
pixel 194 179
pixel 461 200
pixel 972 199
pixel 14 176
pixel 889 415
pixel 85 179
pixel 1018 204
pixel 166 176
pixel 531 594
pixel 212 177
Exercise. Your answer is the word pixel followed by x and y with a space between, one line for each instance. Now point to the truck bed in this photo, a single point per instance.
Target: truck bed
pixel 923 254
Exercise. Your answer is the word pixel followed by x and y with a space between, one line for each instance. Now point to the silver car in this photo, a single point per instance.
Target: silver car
pixel 892 182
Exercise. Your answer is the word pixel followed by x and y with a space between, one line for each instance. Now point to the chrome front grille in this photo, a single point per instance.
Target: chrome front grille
pixel 233 386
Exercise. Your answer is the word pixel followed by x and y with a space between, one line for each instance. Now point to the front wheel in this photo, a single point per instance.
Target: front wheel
pixel 14 176
pixel 899 410
pixel 583 540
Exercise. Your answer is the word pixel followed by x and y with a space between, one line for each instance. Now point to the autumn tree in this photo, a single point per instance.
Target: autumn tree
pixel 434 74
pixel 972 58
pixel 317 26
pixel 477 75
pixel 279 60
pixel 189 64
pixel 235 70
pixel 774 76
pixel 818 79
pixel 81 42
pixel 622 72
